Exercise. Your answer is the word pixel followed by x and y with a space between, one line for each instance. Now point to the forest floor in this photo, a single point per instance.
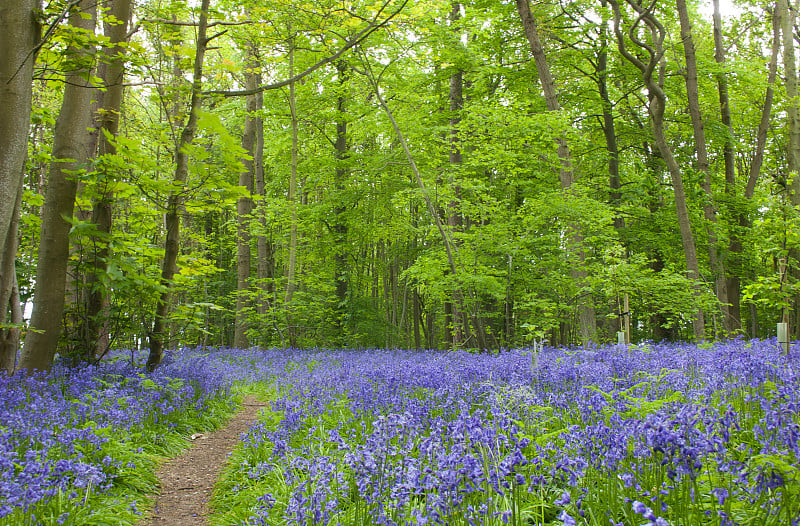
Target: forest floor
pixel 186 481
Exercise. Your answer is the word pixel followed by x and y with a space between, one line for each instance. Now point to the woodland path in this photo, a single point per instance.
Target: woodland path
pixel 186 481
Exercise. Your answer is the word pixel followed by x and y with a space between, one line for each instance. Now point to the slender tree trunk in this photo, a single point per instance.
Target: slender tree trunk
pixel 586 313
pixel 19 35
pixel 244 210
pixel 9 293
pixel 265 270
pixel 733 318
pixel 788 20
pixel 454 220
pixel 291 268
pixel 657 107
pixel 339 227
pixel 95 330
pixel 172 220
pixel 417 318
pixel 788 17
pixel 609 129
pixel 701 149
pixel 743 222
pixel 71 149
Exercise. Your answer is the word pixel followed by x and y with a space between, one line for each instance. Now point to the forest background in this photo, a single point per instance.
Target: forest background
pixel 399 173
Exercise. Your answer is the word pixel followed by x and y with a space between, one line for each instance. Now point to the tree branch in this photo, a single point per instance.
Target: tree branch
pixel 359 37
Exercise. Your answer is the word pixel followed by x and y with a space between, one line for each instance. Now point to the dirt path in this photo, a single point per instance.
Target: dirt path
pixel 187 480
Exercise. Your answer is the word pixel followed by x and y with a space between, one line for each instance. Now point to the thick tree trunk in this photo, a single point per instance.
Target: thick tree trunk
pixel 19 35
pixel 172 220
pixel 244 210
pixel 587 320
pixel 71 148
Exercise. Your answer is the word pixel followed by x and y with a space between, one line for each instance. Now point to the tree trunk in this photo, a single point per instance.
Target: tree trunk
pixel 291 267
pixel 172 216
pixel 19 35
pixel 95 331
pixel 609 130
pixel 244 210
pixel 701 149
pixel 339 227
pixel 71 149
pixel 9 293
pixel 265 268
pixel 587 321
pixel 743 222
pixel 658 100
pixel 457 331
pixel 788 18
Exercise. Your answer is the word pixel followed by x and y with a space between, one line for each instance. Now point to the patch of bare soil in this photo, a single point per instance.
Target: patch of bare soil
pixel 186 481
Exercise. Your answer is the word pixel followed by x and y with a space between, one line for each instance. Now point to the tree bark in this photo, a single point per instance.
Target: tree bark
pixel 458 329
pixel 743 221
pixel 172 220
pixel 95 331
pixel 9 293
pixel 265 267
pixel 658 101
pixel 244 210
pixel 609 129
pixel 291 267
pixel 788 21
pixel 701 151
pixel 339 227
pixel 72 143
pixel 587 320
pixel 19 35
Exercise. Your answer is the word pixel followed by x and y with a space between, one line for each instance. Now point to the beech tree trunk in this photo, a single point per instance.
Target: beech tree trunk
pixel 743 221
pixel 72 144
pixel 701 151
pixel 658 100
pixel 9 294
pixel 244 210
pixel 291 267
pixel 587 320
pixel 95 331
pixel 609 130
pixel 339 228
pixel 172 219
pixel 788 20
pixel 458 332
pixel 19 35
pixel 265 267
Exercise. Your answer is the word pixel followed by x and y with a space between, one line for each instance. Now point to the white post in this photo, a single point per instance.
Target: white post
pixel 783 337
pixel 621 338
